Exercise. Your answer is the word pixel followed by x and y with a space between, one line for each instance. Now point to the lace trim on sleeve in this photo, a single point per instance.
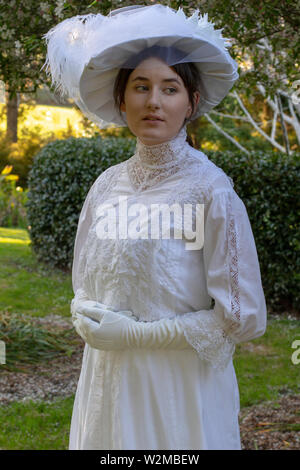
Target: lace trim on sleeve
pixel 207 331
pixel 233 323
pixel 208 338
pixel 233 258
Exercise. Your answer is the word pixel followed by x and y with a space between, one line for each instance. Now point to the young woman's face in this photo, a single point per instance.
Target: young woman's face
pixel 156 102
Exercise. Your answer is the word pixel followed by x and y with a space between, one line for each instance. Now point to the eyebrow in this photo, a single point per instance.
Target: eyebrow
pixel 164 80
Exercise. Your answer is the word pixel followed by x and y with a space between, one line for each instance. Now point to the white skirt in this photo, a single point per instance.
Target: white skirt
pixel 154 400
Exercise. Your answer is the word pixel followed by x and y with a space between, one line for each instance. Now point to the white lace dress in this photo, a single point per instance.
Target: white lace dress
pixel 167 399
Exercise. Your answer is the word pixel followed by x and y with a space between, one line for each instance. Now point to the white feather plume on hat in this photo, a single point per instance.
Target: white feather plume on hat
pixel 67 44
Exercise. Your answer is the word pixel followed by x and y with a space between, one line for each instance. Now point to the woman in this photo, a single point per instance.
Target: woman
pixel 157 369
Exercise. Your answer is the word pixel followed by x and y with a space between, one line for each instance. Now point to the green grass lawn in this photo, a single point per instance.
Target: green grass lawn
pixel 264 368
pixel 36 425
pixel 26 286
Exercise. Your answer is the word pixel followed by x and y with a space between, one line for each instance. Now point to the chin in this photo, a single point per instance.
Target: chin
pixel 153 141
pixel 152 136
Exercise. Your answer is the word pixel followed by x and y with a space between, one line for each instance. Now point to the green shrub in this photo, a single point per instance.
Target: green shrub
pixel 60 177
pixel 21 153
pixel 30 141
pixel 268 185
pixel 12 200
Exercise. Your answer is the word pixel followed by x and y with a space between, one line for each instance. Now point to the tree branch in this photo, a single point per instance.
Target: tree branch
pixel 242 118
pixel 266 136
pixel 283 126
pixel 225 134
pixel 292 120
pixel 273 132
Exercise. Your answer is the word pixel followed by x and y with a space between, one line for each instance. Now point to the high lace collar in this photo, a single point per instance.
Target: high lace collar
pixel 164 154
pixel 153 163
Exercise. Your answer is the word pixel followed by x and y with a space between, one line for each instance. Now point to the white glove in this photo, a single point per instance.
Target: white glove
pixel 104 329
pixel 94 310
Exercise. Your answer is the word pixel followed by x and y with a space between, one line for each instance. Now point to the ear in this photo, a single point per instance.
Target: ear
pixel 196 98
pixel 196 102
pixel 123 107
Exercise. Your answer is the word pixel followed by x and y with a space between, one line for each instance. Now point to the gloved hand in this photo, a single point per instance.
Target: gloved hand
pixel 94 310
pixel 81 303
pixel 104 329
pixel 82 308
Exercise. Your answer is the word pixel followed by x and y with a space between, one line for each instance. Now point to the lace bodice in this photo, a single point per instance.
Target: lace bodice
pixel 152 163
pixel 165 154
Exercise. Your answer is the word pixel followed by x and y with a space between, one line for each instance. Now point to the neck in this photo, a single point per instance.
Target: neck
pixel 164 154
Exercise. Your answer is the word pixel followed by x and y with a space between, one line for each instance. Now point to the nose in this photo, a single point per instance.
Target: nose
pixel 153 98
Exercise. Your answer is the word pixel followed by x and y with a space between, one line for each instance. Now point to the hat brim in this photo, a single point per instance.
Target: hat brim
pixel 218 72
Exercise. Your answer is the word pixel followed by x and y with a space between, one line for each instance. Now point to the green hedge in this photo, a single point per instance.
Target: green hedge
pixel 12 200
pixel 64 170
pixel 60 177
pixel 268 184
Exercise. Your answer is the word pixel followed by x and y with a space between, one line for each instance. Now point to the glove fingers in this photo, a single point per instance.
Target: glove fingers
pixel 128 313
pixel 94 304
pixel 91 333
pixel 112 318
pixel 104 307
pixel 94 313
pixel 89 324
pixel 79 330
pixel 81 305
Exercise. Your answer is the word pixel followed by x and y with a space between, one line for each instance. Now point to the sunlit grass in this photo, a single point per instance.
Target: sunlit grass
pixel 12 236
pixel 52 119
pixel 14 240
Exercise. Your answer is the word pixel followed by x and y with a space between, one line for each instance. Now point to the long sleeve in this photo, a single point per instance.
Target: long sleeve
pixel 84 223
pixel 95 196
pixel 233 281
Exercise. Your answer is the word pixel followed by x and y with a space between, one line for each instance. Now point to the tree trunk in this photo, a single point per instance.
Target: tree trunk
pixel 12 105
pixel 284 131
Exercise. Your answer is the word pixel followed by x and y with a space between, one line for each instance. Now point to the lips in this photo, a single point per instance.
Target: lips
pixel 152 117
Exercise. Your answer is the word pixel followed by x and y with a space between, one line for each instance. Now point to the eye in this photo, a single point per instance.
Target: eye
pixel 172 90
pixel 140 86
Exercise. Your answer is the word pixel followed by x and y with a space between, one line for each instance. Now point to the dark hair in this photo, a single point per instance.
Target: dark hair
pixel 187 71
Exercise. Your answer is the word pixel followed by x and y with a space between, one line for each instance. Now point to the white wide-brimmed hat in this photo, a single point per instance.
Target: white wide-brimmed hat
pixel 86 52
